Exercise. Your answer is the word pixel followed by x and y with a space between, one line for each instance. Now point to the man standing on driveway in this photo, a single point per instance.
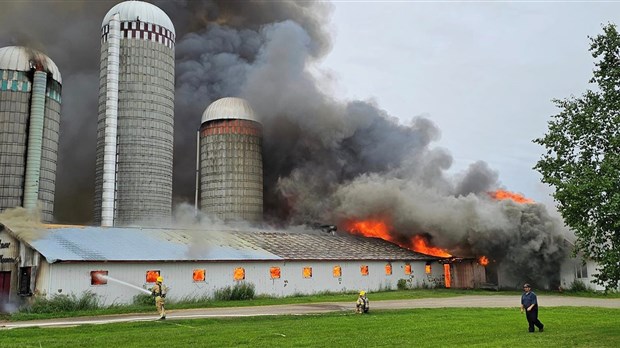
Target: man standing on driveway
pixel 529 304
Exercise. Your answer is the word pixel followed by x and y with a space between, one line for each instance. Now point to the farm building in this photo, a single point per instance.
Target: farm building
pixel 196 262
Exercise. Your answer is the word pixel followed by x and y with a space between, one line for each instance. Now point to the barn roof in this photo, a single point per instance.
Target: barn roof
pixel 87 243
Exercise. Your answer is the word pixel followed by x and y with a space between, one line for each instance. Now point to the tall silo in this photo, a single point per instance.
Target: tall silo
pixel 231 161
pixel 133 178
pixel 30 98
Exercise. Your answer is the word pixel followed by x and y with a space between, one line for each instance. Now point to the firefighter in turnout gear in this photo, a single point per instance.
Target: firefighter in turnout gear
pixel 362 305
pixel 159 292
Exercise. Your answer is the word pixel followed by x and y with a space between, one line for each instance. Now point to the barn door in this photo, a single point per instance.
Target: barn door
pixel 5 286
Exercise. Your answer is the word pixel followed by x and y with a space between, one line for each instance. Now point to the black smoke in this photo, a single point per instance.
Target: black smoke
pixel 325 160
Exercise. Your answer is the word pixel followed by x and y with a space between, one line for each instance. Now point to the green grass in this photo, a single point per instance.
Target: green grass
pixel 187 303
pixel 445 327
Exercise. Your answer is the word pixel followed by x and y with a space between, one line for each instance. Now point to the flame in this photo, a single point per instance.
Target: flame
pixel 502 195
pixel 380 229
pixel 371 228
pixel 483 260
pixel 420 245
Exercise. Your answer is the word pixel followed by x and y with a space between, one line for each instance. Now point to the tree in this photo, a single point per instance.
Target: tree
pixel 582 160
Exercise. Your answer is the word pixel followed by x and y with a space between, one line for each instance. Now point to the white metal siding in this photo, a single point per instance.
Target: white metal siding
pixel 67 278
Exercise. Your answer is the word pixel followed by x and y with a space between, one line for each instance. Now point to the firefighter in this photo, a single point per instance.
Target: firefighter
pixel 159 292
pixel 362 305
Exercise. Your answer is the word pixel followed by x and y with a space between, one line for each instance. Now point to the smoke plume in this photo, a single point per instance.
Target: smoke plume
pixel 325 160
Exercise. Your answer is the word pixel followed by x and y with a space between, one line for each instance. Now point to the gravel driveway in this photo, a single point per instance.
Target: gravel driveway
pixel 492 301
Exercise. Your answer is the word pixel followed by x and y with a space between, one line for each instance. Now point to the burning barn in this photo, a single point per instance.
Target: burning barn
pixel 30 97
pixel 52 259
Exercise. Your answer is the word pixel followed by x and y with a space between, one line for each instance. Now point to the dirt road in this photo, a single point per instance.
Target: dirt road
pixel 495 301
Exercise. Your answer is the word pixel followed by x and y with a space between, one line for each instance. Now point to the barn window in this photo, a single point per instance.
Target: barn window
pixel 274 272
pixel 239 273
pixel 407 268
pixel 364 270
pixel 307 272
pixel 98 277
pixel 151 276
pixel 199 275
pixel 388 269
pixel 337 271
pixel 427 268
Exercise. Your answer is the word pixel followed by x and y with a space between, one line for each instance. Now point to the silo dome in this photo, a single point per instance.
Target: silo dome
pixel 18 58
pixel 130 11
pixel 229 108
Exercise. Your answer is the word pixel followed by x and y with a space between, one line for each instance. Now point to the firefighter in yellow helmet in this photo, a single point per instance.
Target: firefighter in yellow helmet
pixel 362 305
pixel 159 292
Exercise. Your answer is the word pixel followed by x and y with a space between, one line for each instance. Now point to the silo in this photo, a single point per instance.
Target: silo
pixel 133 178
pixel 30 98
pixel 231 161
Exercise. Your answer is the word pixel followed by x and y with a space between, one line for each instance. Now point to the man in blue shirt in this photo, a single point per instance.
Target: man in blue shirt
pixel 529 304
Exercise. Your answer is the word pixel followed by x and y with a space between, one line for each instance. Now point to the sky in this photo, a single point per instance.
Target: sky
pixel 484 72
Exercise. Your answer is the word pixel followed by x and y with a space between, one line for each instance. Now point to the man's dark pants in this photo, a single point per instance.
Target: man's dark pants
pixel 532 319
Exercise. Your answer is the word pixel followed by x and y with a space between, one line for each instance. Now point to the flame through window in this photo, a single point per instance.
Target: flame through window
pixel 274 272
pixel 98 277
pixel 151 276
pixel 239 273
pixel 199 275
pixel 337 271
pixel 307 272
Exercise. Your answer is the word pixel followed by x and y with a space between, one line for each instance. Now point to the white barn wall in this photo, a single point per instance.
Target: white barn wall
pixel 568 273
pixel 67 278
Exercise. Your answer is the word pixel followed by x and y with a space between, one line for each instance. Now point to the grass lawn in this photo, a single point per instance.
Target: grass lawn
pixel 262 301
pixel 444 327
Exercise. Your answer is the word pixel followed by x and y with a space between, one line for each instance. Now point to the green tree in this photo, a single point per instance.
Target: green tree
pixel 582 160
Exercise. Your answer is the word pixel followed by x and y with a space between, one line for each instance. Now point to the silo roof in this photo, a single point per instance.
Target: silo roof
pixel 129 11
pixel 18 58
pixel 229 108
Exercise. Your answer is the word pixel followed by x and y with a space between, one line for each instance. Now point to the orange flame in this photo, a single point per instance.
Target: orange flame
pixel 420 245
pixel 502 194
pixel 483 260
pixel 379 229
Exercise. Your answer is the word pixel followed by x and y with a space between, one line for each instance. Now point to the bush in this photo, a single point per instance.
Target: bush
pixel 144 300
pixel 402 284
pixel 241 291
pixel 63 303
pixel 578 286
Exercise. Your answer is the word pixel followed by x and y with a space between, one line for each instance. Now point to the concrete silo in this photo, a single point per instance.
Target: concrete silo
pixel 231 161
pixel 133 178
pixel 30 90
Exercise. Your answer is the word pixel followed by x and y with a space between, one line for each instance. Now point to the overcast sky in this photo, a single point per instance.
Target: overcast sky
pixel 485 72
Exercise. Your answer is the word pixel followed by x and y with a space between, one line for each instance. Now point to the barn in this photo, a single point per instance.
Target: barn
pixel 195 262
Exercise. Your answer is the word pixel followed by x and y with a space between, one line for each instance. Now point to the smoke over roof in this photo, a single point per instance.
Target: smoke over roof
pixel 324 160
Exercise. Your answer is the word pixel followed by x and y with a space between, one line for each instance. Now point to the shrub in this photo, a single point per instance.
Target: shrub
pixel 63 303
pixel 402 284
pixel 144 300
pixel 241 291
pixel 578 286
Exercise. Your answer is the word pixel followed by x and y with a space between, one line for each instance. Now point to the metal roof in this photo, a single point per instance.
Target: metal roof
pixel 87 243
pixel 18 58
pixel 129 11
pixel 229 108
